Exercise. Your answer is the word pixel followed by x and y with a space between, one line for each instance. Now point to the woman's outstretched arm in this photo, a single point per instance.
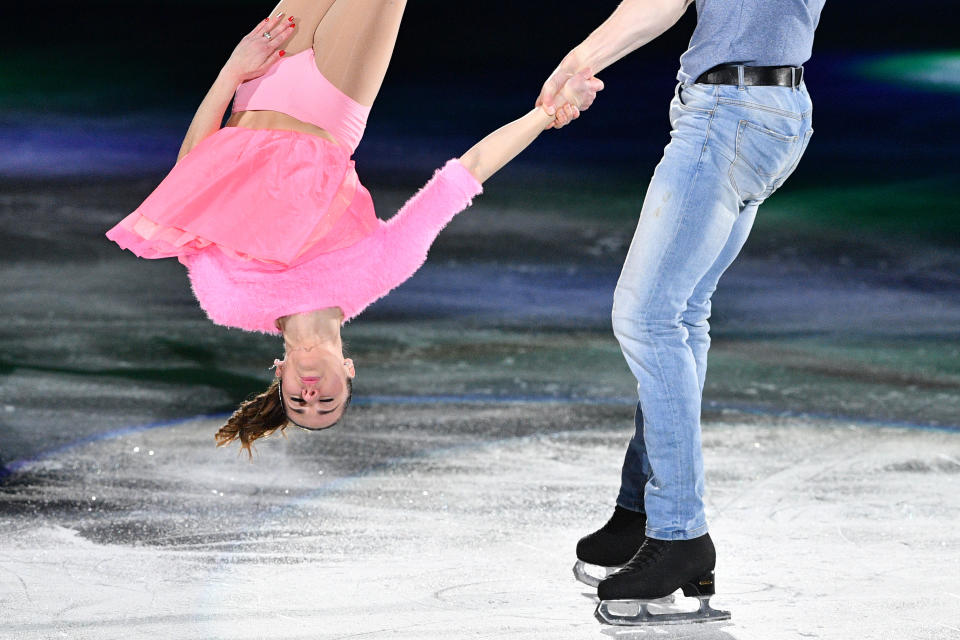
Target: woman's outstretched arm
pixel 500 147
pixel 400 246
pixel 252 57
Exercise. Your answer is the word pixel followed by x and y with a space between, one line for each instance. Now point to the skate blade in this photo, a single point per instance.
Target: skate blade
pixel 591 574
pixel 619 612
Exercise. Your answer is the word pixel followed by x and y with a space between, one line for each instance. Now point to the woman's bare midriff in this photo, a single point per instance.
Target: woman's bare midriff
pixel 276 120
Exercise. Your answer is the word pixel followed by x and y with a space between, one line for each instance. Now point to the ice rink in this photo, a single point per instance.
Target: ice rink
pixel 460 523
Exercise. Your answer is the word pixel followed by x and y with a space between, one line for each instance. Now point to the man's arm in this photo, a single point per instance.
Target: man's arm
pixel 633 24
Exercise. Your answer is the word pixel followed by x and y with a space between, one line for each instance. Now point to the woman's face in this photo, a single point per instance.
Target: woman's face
pixel 313 385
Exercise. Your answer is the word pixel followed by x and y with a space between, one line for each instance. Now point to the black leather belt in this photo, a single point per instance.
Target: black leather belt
pixel 753 76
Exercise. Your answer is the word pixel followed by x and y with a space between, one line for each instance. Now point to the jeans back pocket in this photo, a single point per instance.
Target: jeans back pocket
pixel 796 160
pixel 763 157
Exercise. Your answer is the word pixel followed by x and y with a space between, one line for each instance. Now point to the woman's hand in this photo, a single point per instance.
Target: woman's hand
pixel 576 94
pixel 564 116
pixel 260 48
pixel 252 57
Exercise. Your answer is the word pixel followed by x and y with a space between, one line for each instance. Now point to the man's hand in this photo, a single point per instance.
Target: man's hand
pixel 554 84
pixel 566 93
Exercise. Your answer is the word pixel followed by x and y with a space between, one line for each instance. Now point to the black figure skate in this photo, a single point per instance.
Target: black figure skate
pixel 610 547
pixel 658 569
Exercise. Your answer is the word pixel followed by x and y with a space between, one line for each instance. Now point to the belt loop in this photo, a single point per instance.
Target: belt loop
pixel 793 79
pixel 740 77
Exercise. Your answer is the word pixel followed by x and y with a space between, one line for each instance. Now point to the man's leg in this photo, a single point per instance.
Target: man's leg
pixel 696 316
pixel 636 468
pixel 687 219
pixel 661 221
pixel 636 464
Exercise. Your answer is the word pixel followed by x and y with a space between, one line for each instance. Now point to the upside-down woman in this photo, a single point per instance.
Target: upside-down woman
pixel 269 216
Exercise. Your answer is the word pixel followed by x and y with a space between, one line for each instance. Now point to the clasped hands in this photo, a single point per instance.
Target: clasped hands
pixel 568 91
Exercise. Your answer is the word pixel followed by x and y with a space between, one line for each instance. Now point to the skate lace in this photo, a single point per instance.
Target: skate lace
pixel 648 554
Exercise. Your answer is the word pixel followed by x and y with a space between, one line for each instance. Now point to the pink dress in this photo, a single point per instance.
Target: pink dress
pixel 271 223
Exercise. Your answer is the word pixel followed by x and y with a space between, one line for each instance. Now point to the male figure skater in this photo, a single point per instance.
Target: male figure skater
pixel 741 119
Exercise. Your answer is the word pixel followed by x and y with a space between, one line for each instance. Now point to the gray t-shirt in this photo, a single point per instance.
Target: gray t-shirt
pixel 762 33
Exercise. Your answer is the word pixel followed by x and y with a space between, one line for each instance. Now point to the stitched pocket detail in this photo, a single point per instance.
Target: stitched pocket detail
pixel 762 156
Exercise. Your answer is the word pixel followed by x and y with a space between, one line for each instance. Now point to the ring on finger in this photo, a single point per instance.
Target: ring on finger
pixel 266 34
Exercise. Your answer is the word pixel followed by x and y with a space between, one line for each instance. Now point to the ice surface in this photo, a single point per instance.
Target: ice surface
pixel 403 525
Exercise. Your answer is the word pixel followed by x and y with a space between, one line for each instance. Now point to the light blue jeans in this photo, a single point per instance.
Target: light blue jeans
pixel 730 148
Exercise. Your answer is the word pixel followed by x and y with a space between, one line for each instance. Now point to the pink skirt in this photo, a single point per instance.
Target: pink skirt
pixel 277 197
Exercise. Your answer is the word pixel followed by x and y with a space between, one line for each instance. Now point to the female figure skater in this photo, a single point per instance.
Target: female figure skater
pixel 269 217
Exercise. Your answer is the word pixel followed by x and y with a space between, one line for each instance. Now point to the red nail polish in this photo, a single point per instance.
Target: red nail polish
pixel 282 53
pixel 290 18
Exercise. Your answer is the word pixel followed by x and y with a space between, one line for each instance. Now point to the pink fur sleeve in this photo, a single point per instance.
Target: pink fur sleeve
pixel 404 240
pixel 241 295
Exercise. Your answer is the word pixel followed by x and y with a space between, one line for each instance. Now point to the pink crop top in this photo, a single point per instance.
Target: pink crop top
pixel 296 87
